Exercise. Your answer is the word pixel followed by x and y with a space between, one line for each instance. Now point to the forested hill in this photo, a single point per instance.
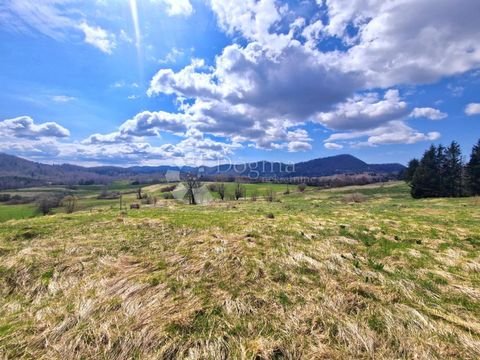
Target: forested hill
pixel 18 172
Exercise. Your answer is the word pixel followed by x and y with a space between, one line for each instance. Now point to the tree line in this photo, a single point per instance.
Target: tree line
pixel 442 172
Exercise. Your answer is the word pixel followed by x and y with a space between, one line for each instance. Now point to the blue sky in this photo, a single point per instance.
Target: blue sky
pixel 201 81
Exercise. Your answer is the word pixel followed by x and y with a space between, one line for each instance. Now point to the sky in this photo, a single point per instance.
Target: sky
pixel 189 82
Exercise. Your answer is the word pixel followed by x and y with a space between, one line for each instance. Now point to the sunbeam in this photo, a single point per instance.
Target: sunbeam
pixel 138 37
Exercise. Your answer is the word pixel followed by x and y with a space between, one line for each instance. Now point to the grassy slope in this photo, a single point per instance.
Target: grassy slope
pixel 387 278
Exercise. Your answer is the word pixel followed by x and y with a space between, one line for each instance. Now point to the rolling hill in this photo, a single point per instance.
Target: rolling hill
pixel 18 172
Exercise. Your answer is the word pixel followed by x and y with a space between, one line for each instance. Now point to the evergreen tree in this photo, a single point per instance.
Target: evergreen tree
pixel 410 171
pixel 452 171
pixel 473 170
pixel 442 170
pixel 426 180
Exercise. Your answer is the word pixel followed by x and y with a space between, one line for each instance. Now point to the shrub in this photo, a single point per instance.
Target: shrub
pixel 4 197
pixel 270 196
pixel 212 187
pixel 168 195
pixel 354 198
pixel 168 189
pixel 46 203
pixel 302 187
pixel 69 203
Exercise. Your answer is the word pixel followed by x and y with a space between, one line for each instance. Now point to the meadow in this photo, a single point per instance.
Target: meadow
pixel 359 272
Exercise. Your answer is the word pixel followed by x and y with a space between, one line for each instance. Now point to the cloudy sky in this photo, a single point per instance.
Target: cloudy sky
pixel 187 81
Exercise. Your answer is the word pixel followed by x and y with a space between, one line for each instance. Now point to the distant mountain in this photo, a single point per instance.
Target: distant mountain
pixel 18 172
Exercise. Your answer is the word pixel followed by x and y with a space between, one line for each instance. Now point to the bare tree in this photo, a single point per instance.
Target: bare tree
pixel 192 183
pixel 221 190
pixel 270 197
pixel 46 203
pixel 70 203
pixel 239 191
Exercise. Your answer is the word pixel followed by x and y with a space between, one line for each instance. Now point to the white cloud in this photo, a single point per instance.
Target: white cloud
pixel 63 98
pixel 149 123
pixel 60 20
pixel 178 7
pixel 172 56
pixel 25 127
pixel 333 146
pixel 408 41
pixel 393 132
pixel 429 113
pixel 48 17
pixel 112 138
pixel 98 37
pixel 364 111
pixel 472 109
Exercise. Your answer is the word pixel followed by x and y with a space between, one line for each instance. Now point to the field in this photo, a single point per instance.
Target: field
pixel 361 273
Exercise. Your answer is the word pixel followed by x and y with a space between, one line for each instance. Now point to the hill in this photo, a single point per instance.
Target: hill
pixel 15 171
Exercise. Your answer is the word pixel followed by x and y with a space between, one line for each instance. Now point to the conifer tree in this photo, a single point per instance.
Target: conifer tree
pixel 453 171
pixel 410 171
pixel 426 181
pixel 473 170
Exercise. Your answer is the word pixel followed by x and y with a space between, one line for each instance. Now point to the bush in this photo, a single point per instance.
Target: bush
pixel 109 195
pixel 69 203
pixel 46 203
pixel 18 200
pixel 270 196
pixel 212 187
pixel 168 195
pixel 149 200
pixel 4 197
pixel 168 189
pixel 302 187
pixel 354 198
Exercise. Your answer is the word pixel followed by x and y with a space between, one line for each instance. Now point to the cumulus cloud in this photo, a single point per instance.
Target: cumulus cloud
pixel 393 132
pixel 429 113
pixel 149 123
pixel 25 127
pixel 178 7
pixel 280 78
pixel 364 111
pixel 472 109
pixel 407 41
pixel 98 37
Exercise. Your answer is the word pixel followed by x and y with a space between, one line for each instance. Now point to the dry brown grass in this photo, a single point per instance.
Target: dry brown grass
pixel 204 283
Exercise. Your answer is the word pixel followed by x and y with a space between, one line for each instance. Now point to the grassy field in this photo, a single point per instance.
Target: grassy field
pixel 311 276
pixel 8 212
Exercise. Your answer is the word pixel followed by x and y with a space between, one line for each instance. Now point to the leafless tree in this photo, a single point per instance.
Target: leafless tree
pixel 221 190
pixel 192 183
pixel 239 191
pixel 70 203
pixel 47 202
pixel 270 197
